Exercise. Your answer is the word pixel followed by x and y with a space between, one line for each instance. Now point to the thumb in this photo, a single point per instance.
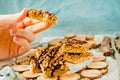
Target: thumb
pixel 21 15
pixel 13 18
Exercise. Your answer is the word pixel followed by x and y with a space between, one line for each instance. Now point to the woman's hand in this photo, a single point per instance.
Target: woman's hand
pixel 16 32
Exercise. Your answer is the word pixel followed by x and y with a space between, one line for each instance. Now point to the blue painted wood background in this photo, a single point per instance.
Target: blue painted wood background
pixel 74 16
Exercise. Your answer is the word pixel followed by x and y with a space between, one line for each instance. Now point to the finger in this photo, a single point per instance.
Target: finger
pixel 20 25
pixel 13 18
pixel 21 16
pixel 23 34
pixel 27 22
pixel 24 45
pixel 38 27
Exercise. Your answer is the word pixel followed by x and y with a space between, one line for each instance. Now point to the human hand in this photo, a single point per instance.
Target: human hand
pixel 16 32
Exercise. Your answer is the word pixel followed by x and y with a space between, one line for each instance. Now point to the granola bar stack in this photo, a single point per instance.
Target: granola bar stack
pixel 75 51
pixel 51 61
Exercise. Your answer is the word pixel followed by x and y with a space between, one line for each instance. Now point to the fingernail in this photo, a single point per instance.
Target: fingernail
pixel 13 31
pixel 16 39
pixel 22 11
